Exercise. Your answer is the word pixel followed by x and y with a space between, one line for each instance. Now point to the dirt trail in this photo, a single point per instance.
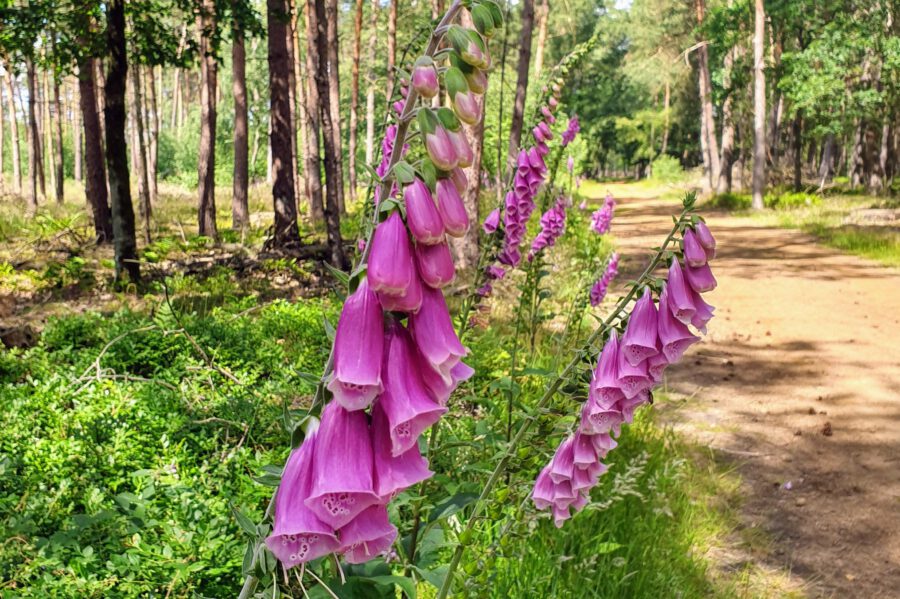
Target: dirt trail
pixel 798 385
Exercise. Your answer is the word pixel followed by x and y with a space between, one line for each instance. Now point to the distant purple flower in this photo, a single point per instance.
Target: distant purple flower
pixel 598 291
pixel 570 164
pixel 553 224
pixel 571 131
pixel 492 221
pixel 601 219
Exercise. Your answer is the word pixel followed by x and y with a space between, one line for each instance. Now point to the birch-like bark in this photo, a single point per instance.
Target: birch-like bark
pixel 370 91
pixel 14 135
pixel 759 107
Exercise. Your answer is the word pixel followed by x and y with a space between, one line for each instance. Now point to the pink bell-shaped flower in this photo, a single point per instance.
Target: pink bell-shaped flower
pixel 605 385
pixel 657 364
pixel 633 379
pixel 409 301
pixel 405 401
pixel 425 79
pixel 465 105
pixel 492 221
pixel 440 149
pixel 342 474
pixel 440 387
pixel 358 344
pixel 694 254
pixel 703 313
pixel 464 152
pixel 451 208
pixel 562 466
pixel 390 267
pixel 706 239
pixel 394 474
pixel 298 535
pixel 700 279
pixel 367 536
pixel 422 215
pixel 460 181
pixel 435 264
pixel 680 299
pixel 432 329
pixel 583 452
pixel 639 340
pixel 674 336
pixel 596 420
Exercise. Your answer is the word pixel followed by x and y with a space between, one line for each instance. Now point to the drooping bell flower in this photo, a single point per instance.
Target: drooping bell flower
pixel 583 453
pixel 596 420
pixel 674 336
pixel 700 279
pixel 437 143
pixel 571 130
pixel 298 535
pixel 422 215
pixel 694 254
pixel 640 338
pixel 394 473
pixel 451 208
pixel 494 272
pixel 367 536
pixel 425 78
pixel 633 403
pixel 342 474
pixel 545 130
pixel 408 301
pixel 432 329
pixel 585 479
pixel 477 81
pixel 464 153
pixel 543 494
pixel 435 264
pixel 680 300
pixel 460 181
pixel 632 378
pixel 599 289
pixel 657 364
pixel 405 401
pixel 492 221
pixel 703 313
pixel 485 290
pixel 562 466
pixel 706 239
pixel 605 383
pixel 548 116
pixel 390 268
pixel 553 224
pixel 439 388
pixel 553 103
pixel 358 344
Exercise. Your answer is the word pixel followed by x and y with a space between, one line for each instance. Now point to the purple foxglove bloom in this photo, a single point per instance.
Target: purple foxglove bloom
pixel 342 473
pixel 560 515
pixel 570 165
pixel 571 130
pixel 583 453
pixel 537 134
pixel 408 301
pixel 605 384
pixel 466 107
pixel 633 379
pixel 603 444
pixel 674 336
pixel 298 534
pixel 394 474
pixel 706 239
pixel 398 106
pixel 492 221
pixel 694 254
pixel 536 162
pixel 586 479
pixel 640 339
pixel 553 224
pixel 464 151
pixel 596 420
pixel 631 404
pixel 425 80
pixel 477 81
pixel 543 495
pixel 367 536
pixel 700 279
pixel 545 130
pixel 451 208
pixel 553 103
pixel 440 149
pixel 405 400
pixel 433 332
pixel 494 272
pixel 391 269
pixel 485 290
pixel 657 364
pixel 680 300
pixel 439 388
pixel 460 181
pixel 703 314
pixel 435 264
pixel 422 215
pixel 562 466
pixel 358 345
pixel 548 116
pixel 598 291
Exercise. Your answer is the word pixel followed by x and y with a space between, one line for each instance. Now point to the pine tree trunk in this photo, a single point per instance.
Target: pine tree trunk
pixel 332 174
pixel 354 96
pixel 14 135
pixel 2 144
pixel 152 136
pixel 285 203
pixel 708 124
pixel 370 92
pixel 857 161
pixel 518 115
pixel 667 99
pixel 334 96
pixel 58 130
pixel 759 107
pixel 726 163
pixel 392 50
pixel 116 147
pixel 312 159
pixel 826 167
pixel 176 98
pixel 46 126
pixel 34 147
pixel 500 171
pixel 797 134
pixel 294 85
pixel 95 172
pixel 139 151
pixel 543 15
pixel 77 138
pixel 206 187
pixel 240 212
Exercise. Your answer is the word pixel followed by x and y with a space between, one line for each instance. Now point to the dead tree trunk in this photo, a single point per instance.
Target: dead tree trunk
pixel 240 212
pixel 518 115
pixel 206 187
pixel 354 97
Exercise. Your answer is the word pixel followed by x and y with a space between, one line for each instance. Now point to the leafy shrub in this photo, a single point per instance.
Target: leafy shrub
pixel 730 201
pixel 789 200
pixel 667 169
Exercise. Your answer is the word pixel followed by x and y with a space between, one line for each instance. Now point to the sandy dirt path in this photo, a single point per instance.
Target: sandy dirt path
pixel 798 386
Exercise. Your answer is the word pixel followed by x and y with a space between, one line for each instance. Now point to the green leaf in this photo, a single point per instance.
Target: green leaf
pixel 451 505
pixel 406 584
pixel 341 276
pixel 404 173
pixel 434 577
pixel 244 521
pixel 607 547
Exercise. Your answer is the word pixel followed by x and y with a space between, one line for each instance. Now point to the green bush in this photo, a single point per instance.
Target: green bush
pixel 730 201
pixel 789 200
pixel 667 169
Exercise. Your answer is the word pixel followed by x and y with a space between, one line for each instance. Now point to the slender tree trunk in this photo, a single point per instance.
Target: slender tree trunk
pixel 206 186
pixel 95 171
pixel 77 138
pixel 501 105
pixel 285 203
pixel 334 95
pixel 312 158
pixel 727 161
pixel 58 130
pixel 797 134
pixel 884 152
pixel 543 15
pixel 116 147
pixel 332 174
pixel 826 167
pixel 774 136
pixel 152 136
pixel 34 147
pixel 708 124
pixel 857 158
pixel 240 212
pixel 139 151
pixel 518 115
pixel 45 124
pixel 759 107
pixel 176 98
pixel 391 50
pixel 2 145
pixel 354 96
pixel 295 83
pixel 667 99
pixel 370 92
pixel 100 87
pixel 14 135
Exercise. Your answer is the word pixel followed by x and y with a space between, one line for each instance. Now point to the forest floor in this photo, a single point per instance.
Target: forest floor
pixel 797 387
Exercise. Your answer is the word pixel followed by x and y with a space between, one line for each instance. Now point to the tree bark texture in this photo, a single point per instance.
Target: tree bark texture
pixel 95 171
pixel 543 15
pixel 206 164
pixel 371 79
pixel 708 123
pixel 518 115
pixel 34 143
pixel 139 151
pixel 391 50
pixel 152 135
pixel 759 107
pixel 354 97
pixel 240 212
pixel 334 94
pixel 14 134
pixel 59 177
pixel 313 158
